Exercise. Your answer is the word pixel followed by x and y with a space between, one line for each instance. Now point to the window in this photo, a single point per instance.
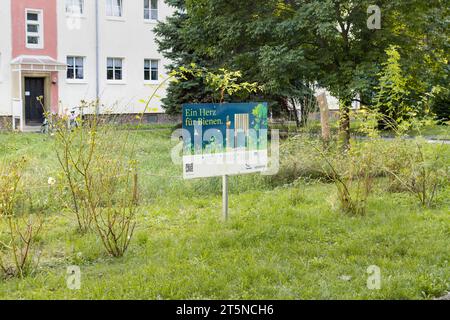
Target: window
pixel 34 34
pixel 114 8
pixel 75 68
pixel 75 7
pixel 115 69
pixel 151 9
pixel 151 118
pixel 151 70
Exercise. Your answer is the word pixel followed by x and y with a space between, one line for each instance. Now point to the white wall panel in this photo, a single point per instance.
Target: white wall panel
pixel 5 58
pixel 129 37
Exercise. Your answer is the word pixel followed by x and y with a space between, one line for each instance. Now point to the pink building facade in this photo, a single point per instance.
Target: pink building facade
pixel 19 8
pixel 45 10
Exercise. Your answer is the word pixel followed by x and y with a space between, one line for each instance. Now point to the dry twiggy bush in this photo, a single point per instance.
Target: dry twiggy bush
pixel 100 173
pixel 18 231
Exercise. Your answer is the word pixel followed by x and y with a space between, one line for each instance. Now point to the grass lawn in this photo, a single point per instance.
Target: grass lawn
pixel 285 241
pixel 438 132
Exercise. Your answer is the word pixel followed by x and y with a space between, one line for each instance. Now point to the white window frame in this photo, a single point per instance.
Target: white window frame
pixel 39 34
pixel 149 10
pixel 71 4
pixel 75 79
pixel 114 80
pixel 111 15
pixel 151 81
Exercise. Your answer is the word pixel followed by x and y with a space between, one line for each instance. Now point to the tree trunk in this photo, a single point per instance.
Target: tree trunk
pixel 294 106
pixel 344 122
pixel 305 112
pixel 324 117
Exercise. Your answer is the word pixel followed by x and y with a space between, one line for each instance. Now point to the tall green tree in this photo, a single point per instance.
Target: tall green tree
pixel 424 27
pixel 182 40
pixel 291 45
pixel 174 42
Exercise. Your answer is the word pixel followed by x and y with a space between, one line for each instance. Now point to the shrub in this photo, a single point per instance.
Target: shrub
pixel 71 148
pixel 18 233
pixel 417 167
pixel 440 103
pixel 352 172
pixel 98 163
pixel 298 159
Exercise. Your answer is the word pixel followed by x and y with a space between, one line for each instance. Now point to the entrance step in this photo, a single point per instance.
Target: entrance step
pixel 30 129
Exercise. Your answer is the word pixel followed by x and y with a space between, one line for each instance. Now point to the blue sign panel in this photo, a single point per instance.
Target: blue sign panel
pixel 224 139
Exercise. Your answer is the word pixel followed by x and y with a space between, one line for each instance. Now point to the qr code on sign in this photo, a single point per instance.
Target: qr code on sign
pixel 189 167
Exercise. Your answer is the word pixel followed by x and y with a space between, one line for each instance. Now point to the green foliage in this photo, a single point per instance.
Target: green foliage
pixel 174 43
pixel 392 94
pixel 440 103
pixel 286 46
pixel 225 83
pixel 213 31
pixel 423 43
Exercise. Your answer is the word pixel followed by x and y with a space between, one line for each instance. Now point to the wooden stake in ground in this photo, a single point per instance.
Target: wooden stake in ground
pixel 324 117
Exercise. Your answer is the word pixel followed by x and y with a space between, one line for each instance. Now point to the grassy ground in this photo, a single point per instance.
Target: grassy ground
pixel 284 241
pixel 438 132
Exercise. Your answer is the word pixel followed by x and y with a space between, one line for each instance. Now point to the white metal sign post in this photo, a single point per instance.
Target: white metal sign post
pixel 225 197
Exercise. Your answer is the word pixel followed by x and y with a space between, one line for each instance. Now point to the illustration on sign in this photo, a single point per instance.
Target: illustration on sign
pixel 224 139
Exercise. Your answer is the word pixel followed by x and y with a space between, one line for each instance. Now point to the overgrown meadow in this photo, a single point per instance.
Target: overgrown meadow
pixel 110 201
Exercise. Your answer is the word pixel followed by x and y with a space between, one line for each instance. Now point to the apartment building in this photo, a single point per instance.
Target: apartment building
pixel 68 51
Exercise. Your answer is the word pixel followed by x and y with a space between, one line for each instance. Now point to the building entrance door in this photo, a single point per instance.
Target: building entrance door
pixel 34 100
